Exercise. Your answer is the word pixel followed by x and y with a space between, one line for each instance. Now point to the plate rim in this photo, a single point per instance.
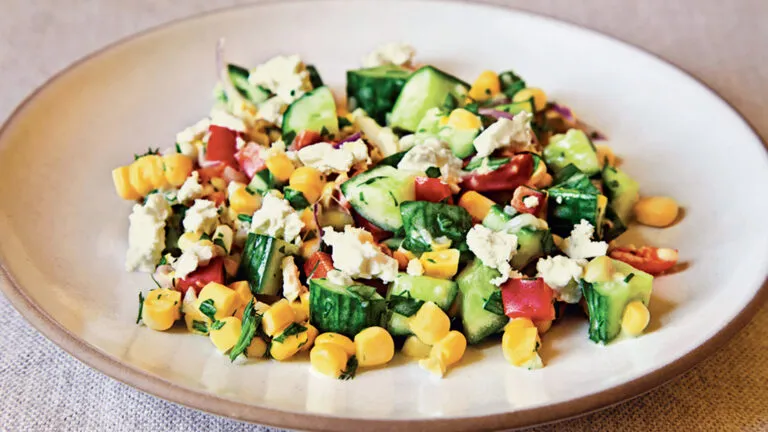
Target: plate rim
pixel 211 403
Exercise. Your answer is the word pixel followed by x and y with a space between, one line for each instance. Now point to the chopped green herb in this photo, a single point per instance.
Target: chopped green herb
pixel 324 132
pixel 351 370
pixel 288 137
pixel 205 236
pixel 472 107
pixel 200 326
pixel 292 330
pixel 208 309
pixel 244 218
pixel 217 325
pixel 394 199
pixel 404 304
pixel 493 303
pixel 450 102
pixel 149 151
pixel 431 260
pixel 141 307
pixel 296 198
pixel 629 277
pixel 219 241
pixel 178 148
pixel 251 322
pixel 155 281
pixel 343 122
pixel 433 172
pixel 163 261
pixel 362 197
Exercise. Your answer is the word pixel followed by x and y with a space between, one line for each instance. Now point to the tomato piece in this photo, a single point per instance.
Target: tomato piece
pixel 218 197
pixel 507 177
pixel 318 265
pixel 213 272
pixel 211 171
pixel 433 190
pixel 249 160
pixel 520 203
pixel 528 298
pixel 378 233
pixel 648 259
pixel 305 138
pixel 222 145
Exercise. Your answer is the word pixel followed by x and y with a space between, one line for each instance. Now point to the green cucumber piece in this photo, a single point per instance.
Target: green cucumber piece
pixel 315 111
pixel 571 177
pixel 424 221
pixel 397 325
pixel 393 243
pixel 475 288
pixel 461 141
pixel 393 159
pixel 517 107
pixel 425 288
pixel 426 88
pixel 567 207
pixel 375 90
pixel 239 77
pixel 314 77
pixel 622 191
pixel 262 182
pixel 511 83
pixel 573 147
pixel 496 219
pixel 532 244
pixel 377 194
pixel 260 265
pixel 345 309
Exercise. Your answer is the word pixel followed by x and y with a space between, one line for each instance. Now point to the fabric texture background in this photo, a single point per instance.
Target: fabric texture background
pixel 725 44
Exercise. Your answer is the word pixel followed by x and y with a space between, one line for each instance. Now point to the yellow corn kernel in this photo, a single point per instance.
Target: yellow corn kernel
pixel 312 333
pixel 309 247
pixel 600 269
pixel 225 300
pixel 257 348
pixel 477 205
pixel 656 211
pixel 140 175
pixel 436 246
pixel 543 326
pixel 177 168
pixel 605 155
pixel 557 240
pixel 284 347
pixel 193 315
pixel 635 319
pixel 187 240
pixel 122 180
pixel 540 177
pixel 450 349
pixel 538 95
pixel 414 347
pixel 300 311
pixel 307 217
pixel 309 181
pixel 161 308
pixel 243 290
pixel 277 317
pixel 462 119
pixel 157 171
pixel 328 359
pixel 434 365
pixel 219 183
pixel 430 323
pixel 280 166
pixel 440 264
pixel 515 323
pixel 374 347
pixel 337 339
pixel 243 202
pixel 225 332
pixel 485 86
pixel 520 342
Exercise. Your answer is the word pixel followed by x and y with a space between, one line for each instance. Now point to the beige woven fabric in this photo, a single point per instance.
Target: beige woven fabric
pixel 723 43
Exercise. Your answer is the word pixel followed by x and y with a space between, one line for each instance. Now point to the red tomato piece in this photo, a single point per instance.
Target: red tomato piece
pixel 528 298
pixel 249 159
pixel 433 190
pixel 218 197
pixel 648 259
pixel 378 233
pixel 213 272
pixel 209 172
pixel 507 177
pixel 318 265
pixel 222 145
pixel 305 138
pixel 522 192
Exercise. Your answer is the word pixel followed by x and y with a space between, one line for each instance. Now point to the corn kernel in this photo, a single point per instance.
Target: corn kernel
pixel 312 333
pixel 300 311
pixel 243 202
pixel 374 347
pixel 440 246
pixel 656 211
pixel 187 240
pixel 224 299
pixel 177 168
pixel 309 181
pixel 543 326
pixel 450 349
pixel 257 348
pixel 340 340
pixel 462 119
pixel 485 86
pixel 414 347
pixel 516 323
pixel 605 155
pixel 277 317
pixel 243 290
pixel 538 95
pixel 194 319
pixel 328 359
pixel 140 175
pixel 122 180
pixel 440 264
pixel 161 308
pixel 600 269
pixel 307 217
pixel 520 342
pixel 477 205
pixel 280 166
pixel 227 333
pixel 223 237
pixel 284 347
pixel 430 323
pixel 219 183
pixel 635 319
pixel 309 247
pixel 434 365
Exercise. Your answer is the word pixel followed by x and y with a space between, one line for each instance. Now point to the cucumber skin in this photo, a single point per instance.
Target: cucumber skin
pixel 574 207
pixel 397 325
pixel 440 291
pixel 332 121
pixel 387 216
pixel 403 115
pixel 573 147
pixel 622 192
pixel 474 289
pixel 343 312
pixel 260 266
pixel 375 90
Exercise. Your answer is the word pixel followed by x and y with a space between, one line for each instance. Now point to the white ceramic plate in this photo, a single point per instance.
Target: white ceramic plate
pixel 64 230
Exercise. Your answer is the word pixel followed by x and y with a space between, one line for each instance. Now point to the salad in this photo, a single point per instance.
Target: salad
pixel 422 215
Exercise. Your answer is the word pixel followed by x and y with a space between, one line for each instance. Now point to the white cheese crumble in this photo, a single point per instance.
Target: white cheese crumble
pixel 146 234
pixel 530 201
pixel 197 255
pixel 415 268
pixel 239 143
pixel 327 159
pixel 433 153
pixel 193 133
pixel 339 278
pixel 202 217
pixel 292 287
pixel 226 120
pixel 504 132
pixel 286 77
pixel 580 245
pixel 271 110
pixel 278 219
pixel 561 274
pixel 382 138
pixel 355 254
pixel 393 53
pixel 494 249
pixel 191 189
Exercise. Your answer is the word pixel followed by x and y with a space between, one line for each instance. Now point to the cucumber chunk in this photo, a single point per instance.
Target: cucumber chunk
pixel 345 309
pixel 622 192
pixel 573 147
pixel 440 291
pixel 397 325
pixel 239 77
pixel 375 90
pixel 260 265
pixel 377 194
pixel 427 88
pixel 315 111
pixel 567 207
pixel 475 288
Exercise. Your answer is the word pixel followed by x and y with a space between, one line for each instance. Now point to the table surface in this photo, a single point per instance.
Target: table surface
pixel 723 44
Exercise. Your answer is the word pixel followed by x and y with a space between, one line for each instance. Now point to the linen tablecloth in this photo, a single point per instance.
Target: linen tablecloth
pixel 725 44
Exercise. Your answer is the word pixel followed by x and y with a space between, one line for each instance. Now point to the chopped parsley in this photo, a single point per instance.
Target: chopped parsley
pixel 351 370
pixel 629 277
pixel 251 322
pixel 292 330
pixel 150 151
pixel 178 148
pixel 208 309
pixel 244 218
pixel 205 236
pixel 217 325
pixel 200 326
pixel 219 241
pixel 393 198
pixel 433 172
pixel 343 122
pixel 141 307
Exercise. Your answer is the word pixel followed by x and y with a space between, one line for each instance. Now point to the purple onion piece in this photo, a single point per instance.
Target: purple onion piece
pixel 564 112
pixel 490 112
pixel 499 101
pixel 354 137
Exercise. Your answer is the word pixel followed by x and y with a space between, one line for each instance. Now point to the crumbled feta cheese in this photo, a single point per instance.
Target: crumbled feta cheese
pixel 580 245
pixel 355 254
pixel 202 217
pixel 494 249
pixel 433 153
pixel 226 120
pixel 271 110
pixel 292 287
pixel 164 276
pixel 278 219
pixel 187 149
pixel 562 274
pixel 415 268
pixel 197 255
pixel 286 77
pixel 239 143
pixel 393 53
pixel 193 133
pixel 382 138
pixel 339 278
pixel 191 189
pixel 531 201
pixel 146 234
pixel 504 132
pixel 327 159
